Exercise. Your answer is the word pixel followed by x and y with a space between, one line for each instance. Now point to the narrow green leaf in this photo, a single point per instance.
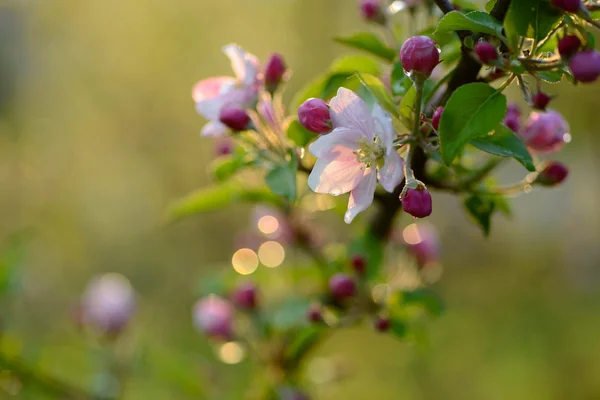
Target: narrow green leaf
pixel 299 134
pixel 379 91
pixel 474 21
pixel 370 43
pixel 530 18
pixel 503 142
pixel 472 111
pixel 481 208
pixel 282 180
pixel 407 106
pixel 489 6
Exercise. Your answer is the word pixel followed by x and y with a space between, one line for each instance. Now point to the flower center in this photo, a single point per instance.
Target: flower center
pixel 370 152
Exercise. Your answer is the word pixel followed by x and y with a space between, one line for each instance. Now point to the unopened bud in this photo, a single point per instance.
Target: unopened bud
pixel 545 131
pixel 513 117
pixel 342 286
pixel 382 324
pixel 417 202
pixel 372 10
pixel 571 6
pixel 486 52
pixel 585 66
pixel 437 115
pixel 274 71
pixel 540 100
pixel 568 46
pixel 314 115
pixel 245 296
pixel 314 314
pixel 553 174
pixel 214 317
pixel 235 118
pixel 419 54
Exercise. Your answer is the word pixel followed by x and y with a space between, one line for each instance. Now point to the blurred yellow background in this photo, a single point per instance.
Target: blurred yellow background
pixel 98 133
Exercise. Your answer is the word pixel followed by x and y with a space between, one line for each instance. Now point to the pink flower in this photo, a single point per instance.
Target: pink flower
pixel 545 131
pixel 212 94
pixel 357 153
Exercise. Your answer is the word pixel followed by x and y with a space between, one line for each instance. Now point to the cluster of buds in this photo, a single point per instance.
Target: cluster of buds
pixel 583 63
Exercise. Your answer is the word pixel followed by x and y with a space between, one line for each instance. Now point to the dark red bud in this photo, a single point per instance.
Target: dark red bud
pixel 486 52
pixel 417 202
pixel 585 66
pixel 568 46
pixel 314 314
pixel 314 115
pixel 553 174
pixel 540 100
pixel 235 118
pixel 274 70
pixel 342 286
pixel 437 115
pixel 359 264
pixel 371 10
pixel 382 324
pixel 571 6
pixel 245 296
pixel 419 54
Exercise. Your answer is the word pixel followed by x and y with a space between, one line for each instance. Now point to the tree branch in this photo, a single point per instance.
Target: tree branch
pixel 444 5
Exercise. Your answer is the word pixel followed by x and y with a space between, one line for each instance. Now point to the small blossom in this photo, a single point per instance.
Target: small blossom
pixel 356 154
pixel 545 131
pixel 108 303
pixel 540 100
pixel 585 66
pixel 513 117
pixel 553 174
pixel 382 324
pixel 214 317
pixel 423 243
pixel 234 117
pixel 212 94
pixel 313 114
pixel 342 286
pixel 568 46
pixel 486 52
pixel 417 202
pixel 245 296
pixel 274 71
pixel 419 54
pixel 437 115
pixel 567 5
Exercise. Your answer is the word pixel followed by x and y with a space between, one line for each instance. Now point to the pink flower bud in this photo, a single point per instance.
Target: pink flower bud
pixel 567 5
pixel 245 296
pixel 419 54
pixel 513 117
pixel 108 303
pixel 214 317
pixel 545 131
pixel 314 314
pixel 342 286
pixel 437 115
pixel 359 263
pixel 568 45
pixel 540 100
pixel 423 243
pixel 382 324
pixel 274 70
pixel 486 52
pixel 371 10
pixel 224 147
pixel 417 202
pixel 314 115
pixel 553 174
pixel 585 66
pixel 235 118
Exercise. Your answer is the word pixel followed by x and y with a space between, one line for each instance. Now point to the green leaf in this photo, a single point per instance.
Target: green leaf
pixel 503 142
pixel 427 299
pixel 474 21
pixel 551 76
pixel 407 106
pixel 379 91
pixel 472 111
pixel 400 82
pixel 370 43
pixel 282 180
pixel 489 6
pixel 355 63
pixel 216 197
pixel 530 18
pixel 291 313
pixel 299 134
pixel 398 327
pixel 225 167
pixel 481 209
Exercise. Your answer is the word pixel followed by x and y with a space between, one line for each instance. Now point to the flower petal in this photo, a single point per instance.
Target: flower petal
pixel 338 137
pixel 336 173
pixel 214 129
pixel 350 111
pixel 361 196
pixel 210 108
pixel 211 87
pixel 392 172
pixel 384 127
pixel 244 65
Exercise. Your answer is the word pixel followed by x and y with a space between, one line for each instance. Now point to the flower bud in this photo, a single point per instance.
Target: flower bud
pixel 486 52
pixel 567 5
pixel 235 118
pixel 314 314
pixel 371 10
pixel 540 100
pixel 314 115
pixel 513 117
pixel 545 131
pixel 568 46
pixel 245 296
pixel 224 147
pixel 274 70
pixel 108 303
pixel 342 286
pixel 553 174
pixel 419 54
pixel 437 115
pixel 423 243
pixel 417 202
pixel 382 324
pixel 359 264
pixel 214 317
pixel 585 66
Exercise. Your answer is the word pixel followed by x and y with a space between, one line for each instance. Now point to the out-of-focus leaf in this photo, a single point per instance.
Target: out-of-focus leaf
pixel 481 209
pixel 291 313
pixel 400 82
pixel 472 111
pixel 372 250
pixel 225 167
pixel 303 342
pixel 370 43
pixel 299 134
pixel 11 260
pixel 474 21
pixel 530 18
pixel 398 327
pixel 489 6
pixel 355 63
pixel 503 142
pixel 378 90
pixel 427 299
pixel 282 180
pixel 551 76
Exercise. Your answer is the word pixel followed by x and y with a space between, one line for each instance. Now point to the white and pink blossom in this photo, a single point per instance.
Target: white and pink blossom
pixel 212 94
pixel 358 152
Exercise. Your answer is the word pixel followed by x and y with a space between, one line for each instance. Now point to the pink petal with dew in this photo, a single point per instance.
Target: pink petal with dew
pixel 361 196
pixel 392 172
pixel 338 137
pixel 244 65
pixel 336 172
pixel 350 111
pixel 211 87
pixel 214 129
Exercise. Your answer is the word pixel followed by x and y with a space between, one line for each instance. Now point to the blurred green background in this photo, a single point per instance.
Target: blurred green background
pixel 98 133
